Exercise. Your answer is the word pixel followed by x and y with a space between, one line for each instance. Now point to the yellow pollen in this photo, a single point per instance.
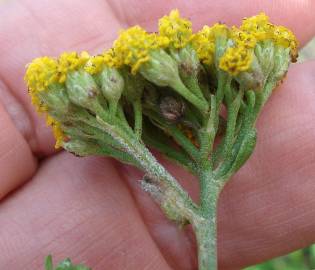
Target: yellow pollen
pixel 57 131
pixel 242 38
pixel 204 41
pixel 70 61
pixel 259 26
pixel 236 60
pixel 176 29
pixel 134 45
pixel 285 38
pixel 41 73
pixel 95 64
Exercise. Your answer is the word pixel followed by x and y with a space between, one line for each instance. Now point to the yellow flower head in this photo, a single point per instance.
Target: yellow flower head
pixel 242 38
pixel 133 47
pixel 204 41
pixel 236 60
pixel 96 63
pixel 57 131
pixel 285 38
pixel 259 26
pixel 110 58
pixel 39 75
pixel 71 61
pixel 176 29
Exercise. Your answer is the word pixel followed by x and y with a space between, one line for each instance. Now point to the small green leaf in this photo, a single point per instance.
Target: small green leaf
pixel 49 263
pixel 64 265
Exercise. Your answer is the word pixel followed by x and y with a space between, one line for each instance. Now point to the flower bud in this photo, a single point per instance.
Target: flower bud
pixel 112 84
pixel 282 61
pixel 133 86
pixel 188 62
pixel 161 70
pixel 55 99
pixel 264 52
pixel 79 147
pixel 82 89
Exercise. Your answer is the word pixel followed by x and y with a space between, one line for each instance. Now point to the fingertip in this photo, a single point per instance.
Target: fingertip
pixel 17 163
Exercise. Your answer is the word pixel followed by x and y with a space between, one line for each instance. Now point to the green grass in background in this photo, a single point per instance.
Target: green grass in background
pixel 303 259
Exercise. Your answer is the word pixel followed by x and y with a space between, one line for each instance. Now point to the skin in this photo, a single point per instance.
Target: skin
pixel 92 209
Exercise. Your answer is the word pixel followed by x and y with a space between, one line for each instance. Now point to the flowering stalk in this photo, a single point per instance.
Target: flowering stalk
pixel 168 91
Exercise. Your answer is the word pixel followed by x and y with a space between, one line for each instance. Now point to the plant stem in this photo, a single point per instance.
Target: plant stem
pixel 177 135
pixel 205 224
pixel 150 165
pixel 179 87
pixel 137 110
pixel 206 235
pixel 113 108
pixel 192 84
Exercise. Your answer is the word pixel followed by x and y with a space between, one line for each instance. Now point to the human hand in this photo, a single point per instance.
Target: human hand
pixel 92 209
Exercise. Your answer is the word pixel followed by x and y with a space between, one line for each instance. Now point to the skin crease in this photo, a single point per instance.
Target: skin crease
pixel 92 209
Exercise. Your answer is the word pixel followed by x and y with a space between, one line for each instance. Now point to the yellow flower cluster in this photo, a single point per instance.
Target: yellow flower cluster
pixel 133 47
pixel 239 57
pixel 285 38
pixel 98 62
pixel 68 62
pixel 236 60
pixel 95 64
pixel 45 71
pixel 176 29
pixel 261 28
pixel 242 38
pixel 57 131
pixel 41 73
pixel 204 41
pixel 254 29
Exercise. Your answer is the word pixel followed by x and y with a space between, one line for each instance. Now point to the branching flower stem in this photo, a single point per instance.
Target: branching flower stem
pixel 193 97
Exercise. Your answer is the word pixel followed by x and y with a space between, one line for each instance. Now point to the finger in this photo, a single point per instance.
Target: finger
pixel 77 208
pixel 17 163
pixel 297 15
pixel 267 209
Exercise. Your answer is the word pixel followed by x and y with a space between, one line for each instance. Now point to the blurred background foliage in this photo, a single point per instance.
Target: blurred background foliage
pixel 303 259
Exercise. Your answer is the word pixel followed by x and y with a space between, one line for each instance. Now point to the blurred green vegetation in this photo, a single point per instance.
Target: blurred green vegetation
pixel 303 259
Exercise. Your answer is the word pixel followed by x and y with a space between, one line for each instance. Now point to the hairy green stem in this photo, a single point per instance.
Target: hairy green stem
pixel 137 110
pixel 177 135
pixel 206 236
pixel 192 84
pixel 148 162
pixel 175 155
pixel 179 87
